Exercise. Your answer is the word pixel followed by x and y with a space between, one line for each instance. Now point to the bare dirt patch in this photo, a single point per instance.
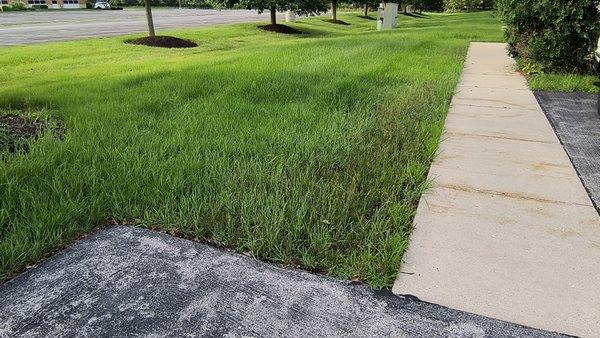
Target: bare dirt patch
pixel 163 41
pixel 16 130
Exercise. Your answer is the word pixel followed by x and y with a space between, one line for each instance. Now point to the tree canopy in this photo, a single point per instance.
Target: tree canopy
pixel 426 5
pixel 300 7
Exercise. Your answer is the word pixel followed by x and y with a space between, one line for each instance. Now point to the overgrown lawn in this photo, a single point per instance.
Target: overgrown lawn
pixel 307 150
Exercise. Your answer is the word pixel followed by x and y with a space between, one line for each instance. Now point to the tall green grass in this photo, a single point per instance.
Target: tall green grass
pixel 563 82
pixel 309 151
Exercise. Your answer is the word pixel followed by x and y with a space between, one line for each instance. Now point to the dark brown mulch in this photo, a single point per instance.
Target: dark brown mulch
pixel 367 17
pixel 337 22
pixel 15 130
pixel 163 41
pixel 277 28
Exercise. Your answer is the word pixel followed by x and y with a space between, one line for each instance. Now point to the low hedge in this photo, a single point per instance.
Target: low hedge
pixel 15 6
pixel 552 35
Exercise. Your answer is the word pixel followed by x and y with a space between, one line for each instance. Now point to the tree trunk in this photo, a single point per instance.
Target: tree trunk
pixel 273 16
pixel 366 9
pixel 334 10
pixel 149 18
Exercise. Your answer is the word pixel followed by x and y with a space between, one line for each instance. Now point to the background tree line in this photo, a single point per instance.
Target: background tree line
pixel 165 3
pixel 467 5
pixel 419 5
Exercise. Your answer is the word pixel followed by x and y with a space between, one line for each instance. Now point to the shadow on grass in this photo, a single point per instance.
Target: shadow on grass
pixel 312 32
pixel 22 101
pixel 281 29
pixel 416 15
pixel 337 22
pixel 366 17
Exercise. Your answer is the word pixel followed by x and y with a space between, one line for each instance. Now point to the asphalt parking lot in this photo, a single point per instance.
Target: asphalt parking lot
pixel 18 28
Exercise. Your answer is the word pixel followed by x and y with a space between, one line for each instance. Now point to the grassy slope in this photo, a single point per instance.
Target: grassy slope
pixel 308 151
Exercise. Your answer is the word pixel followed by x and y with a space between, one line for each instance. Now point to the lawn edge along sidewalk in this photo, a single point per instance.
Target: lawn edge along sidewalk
pixel 507 230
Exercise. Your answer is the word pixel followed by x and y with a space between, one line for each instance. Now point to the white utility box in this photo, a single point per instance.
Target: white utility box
pixel 388 13
pixel 290 16
pixel 597 54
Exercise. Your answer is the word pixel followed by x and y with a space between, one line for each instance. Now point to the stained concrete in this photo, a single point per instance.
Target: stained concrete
pixel 507 230
pixel 123 282
pixel 575 118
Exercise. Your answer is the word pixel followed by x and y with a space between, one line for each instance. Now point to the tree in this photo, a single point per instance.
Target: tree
pixel 149 19
pixel 366 4
pixel 334 9
pixel 300 7
pixel 432 5
pixel 461 5
pixel 427 5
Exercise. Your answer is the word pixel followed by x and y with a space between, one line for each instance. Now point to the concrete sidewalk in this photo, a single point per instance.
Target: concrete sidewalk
pixel 507 230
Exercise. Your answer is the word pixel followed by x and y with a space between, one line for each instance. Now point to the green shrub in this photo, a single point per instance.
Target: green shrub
pixel 552 35
pixel 17 6
pixel 39 6
pixel 462 5
pixel 423 5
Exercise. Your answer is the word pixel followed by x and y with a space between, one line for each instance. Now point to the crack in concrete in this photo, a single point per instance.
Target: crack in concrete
pixel 513 195
pixel 454 103
pixel 497 137
pixel 511 105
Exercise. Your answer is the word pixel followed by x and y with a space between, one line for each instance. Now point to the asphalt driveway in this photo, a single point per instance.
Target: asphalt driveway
pixel 130 282
pixel 18 28
pixel 575 119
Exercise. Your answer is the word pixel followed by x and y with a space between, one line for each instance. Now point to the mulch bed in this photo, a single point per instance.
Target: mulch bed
pixel 15 130
pixel 337 22
pixel 367 17
pixel 163 41
pixel 283 29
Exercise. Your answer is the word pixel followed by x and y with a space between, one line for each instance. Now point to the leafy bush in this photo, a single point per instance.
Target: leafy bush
pixel 425 5
pixel 552 35
pixel 17 6
pixel 462 5
pixel 39 6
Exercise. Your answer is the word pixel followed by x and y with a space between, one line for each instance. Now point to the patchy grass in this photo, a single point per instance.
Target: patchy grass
pixel 18 128
pixel 308 150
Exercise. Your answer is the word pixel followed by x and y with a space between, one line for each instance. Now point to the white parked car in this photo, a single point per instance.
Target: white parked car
pixel 102 5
